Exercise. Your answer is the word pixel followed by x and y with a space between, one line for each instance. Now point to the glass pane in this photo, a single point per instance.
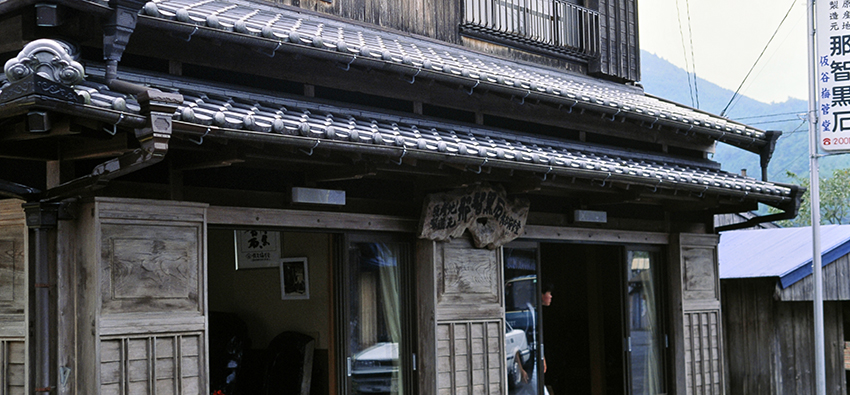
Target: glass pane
pixel 521 320
pixel 645 347
pixel 375 327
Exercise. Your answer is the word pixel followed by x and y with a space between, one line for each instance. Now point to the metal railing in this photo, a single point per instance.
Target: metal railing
pixel 552 23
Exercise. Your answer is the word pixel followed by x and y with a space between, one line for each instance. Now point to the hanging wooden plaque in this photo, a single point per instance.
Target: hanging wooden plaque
pixel 490 216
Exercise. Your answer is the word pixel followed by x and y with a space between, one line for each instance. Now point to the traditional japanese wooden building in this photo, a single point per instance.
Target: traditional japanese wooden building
pixel 767 286
pixel 193 186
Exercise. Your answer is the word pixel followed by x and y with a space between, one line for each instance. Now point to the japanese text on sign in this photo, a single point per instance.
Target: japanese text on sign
pixel 833 74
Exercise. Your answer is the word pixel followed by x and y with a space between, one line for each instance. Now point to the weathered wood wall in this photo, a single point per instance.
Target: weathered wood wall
pixel 770 343
pixel 431 18
pixel 619 47
pixel 13 298
pixel 697 341
pixel 141 267
pixel 461 319
pixel 441 19
pixel 836 283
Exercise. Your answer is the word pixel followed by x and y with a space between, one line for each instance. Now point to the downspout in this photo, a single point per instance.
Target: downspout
pixel 158 108
pixel 790 211
pixel 766 152
pixel 42 219
pixel 116 34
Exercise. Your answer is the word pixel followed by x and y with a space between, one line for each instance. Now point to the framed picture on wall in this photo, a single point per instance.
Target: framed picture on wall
pixel 257 248
pixel 294 279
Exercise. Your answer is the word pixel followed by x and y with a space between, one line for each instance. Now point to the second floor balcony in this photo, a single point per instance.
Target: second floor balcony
pixel 554 25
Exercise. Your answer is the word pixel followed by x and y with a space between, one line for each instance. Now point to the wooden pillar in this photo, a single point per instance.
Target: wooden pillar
pixel 698 364
pixel 13 298
pixel 461 318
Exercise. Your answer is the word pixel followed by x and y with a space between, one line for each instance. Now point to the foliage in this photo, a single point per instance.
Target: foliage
pixel 834 199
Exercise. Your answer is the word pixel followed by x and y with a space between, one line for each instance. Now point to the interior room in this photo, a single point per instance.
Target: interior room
pixel 258 308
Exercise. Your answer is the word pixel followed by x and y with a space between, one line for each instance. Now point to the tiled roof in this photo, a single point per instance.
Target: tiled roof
pixel 284 29
pixel 310 124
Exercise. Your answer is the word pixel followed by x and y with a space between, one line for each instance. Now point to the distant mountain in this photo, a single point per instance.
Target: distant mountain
pixel 661 78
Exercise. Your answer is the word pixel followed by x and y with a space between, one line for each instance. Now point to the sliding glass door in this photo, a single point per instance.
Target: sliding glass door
pixel 376 328
pixel 645 335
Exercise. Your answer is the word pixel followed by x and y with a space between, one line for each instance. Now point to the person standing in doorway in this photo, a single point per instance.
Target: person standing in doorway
pixel 546 300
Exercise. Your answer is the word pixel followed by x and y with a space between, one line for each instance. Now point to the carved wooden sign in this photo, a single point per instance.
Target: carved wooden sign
pixel 484 210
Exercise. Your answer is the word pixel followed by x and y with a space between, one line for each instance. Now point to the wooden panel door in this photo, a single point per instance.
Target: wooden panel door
pixel 697 326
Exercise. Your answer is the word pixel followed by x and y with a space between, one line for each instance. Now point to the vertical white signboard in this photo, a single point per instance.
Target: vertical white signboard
pixel 833 74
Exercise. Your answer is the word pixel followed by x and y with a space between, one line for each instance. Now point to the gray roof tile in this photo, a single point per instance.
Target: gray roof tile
pixel 229 109
pixel 289 27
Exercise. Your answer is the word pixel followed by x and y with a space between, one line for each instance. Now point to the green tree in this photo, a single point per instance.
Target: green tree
pixel 834 200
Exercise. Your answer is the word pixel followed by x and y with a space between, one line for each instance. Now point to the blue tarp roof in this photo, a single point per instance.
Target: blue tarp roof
pixel 785 253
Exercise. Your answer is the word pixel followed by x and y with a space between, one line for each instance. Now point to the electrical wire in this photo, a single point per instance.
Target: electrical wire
pixel 773 121
pixel 737 91
pixel 685 53
pixel 770 115
pixel 693 59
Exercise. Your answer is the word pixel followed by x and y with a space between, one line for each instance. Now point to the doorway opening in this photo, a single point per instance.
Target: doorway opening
pixel 601 332
pixel 270 323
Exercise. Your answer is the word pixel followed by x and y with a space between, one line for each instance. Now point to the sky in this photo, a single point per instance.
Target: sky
pixel 725 37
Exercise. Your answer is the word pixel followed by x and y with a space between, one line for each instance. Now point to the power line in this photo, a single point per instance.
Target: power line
pixel 722 113
pixel 693 59
pixel 685 53
pixel 774 121
pixel 771 115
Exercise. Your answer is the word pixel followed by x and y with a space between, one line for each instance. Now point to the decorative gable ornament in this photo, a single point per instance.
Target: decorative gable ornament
pixel 491 218
pixel 44 67
pixel 51 59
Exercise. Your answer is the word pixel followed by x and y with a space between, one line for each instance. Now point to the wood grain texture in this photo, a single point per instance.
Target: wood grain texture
pixel 13 255
pixel 150 268
pixel 836 284
pixel 768 341
pixel 696 323
pixel 469 282
pixel 140 297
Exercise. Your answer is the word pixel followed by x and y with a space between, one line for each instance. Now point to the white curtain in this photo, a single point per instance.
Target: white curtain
pixel 645 355
pixel 388 256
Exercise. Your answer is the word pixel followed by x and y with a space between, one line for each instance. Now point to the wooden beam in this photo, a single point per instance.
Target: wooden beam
pixel 594 235
pixel 354 172
pixel 94 148
pixel 234 216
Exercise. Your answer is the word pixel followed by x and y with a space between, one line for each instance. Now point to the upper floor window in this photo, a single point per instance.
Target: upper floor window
pixel 558 25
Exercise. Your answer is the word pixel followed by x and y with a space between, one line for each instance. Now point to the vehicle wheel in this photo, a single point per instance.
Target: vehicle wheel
pixel 514 375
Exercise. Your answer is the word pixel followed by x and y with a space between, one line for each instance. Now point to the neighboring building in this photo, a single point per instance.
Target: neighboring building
pixel 733 219
pixel 766 283
pixel 368 173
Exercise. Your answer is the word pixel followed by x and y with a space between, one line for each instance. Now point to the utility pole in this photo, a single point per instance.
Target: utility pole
pixel 814 184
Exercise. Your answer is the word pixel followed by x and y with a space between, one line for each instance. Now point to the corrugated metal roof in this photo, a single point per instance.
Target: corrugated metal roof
pixel 785 253
pixel 281 29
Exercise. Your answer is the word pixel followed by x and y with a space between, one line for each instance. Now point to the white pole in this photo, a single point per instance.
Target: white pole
pixel 814 184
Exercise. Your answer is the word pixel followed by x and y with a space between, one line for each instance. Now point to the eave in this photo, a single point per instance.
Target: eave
pixel 281 29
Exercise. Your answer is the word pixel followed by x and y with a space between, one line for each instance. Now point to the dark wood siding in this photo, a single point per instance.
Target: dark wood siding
pixel 697 325
pixel 619 47
pixel 439 19
pixel 836 283
pixel 770 343
pixel 750 324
